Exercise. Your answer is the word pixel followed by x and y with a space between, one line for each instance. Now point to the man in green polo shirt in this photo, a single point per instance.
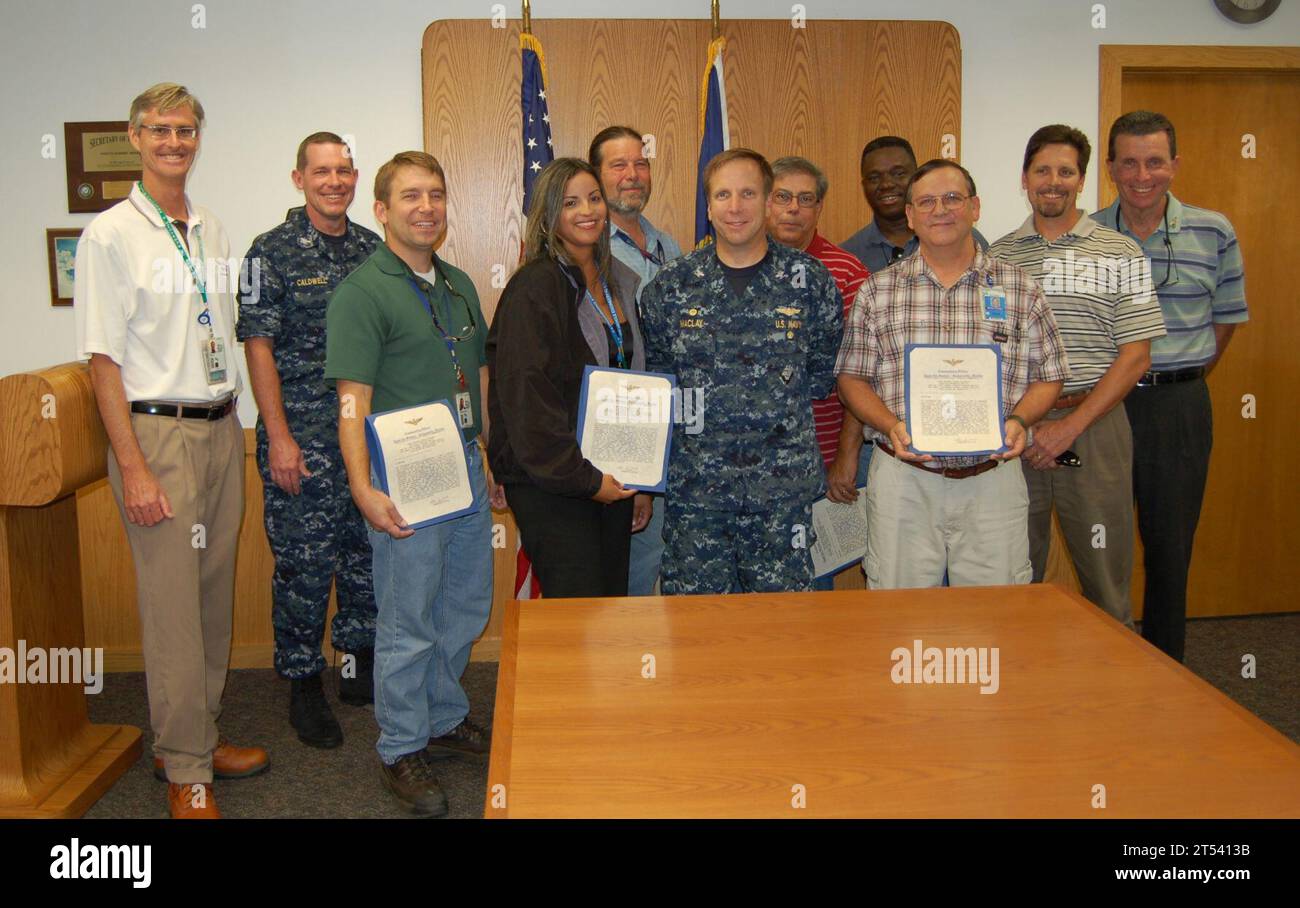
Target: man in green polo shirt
pixel 403 329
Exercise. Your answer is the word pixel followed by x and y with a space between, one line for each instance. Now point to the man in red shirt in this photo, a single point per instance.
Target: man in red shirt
pixel 798 191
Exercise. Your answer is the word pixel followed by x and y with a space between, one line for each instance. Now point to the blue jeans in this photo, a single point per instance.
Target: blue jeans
pixel 647 553
pixel 821 584
pixel 434 592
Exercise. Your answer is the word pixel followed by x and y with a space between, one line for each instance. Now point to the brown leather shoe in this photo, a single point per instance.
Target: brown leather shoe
pixel 192 801
pixel 467 740
pixel 229 761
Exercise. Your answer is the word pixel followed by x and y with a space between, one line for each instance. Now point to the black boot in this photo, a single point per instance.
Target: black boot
pixel 310 714
pixel 359 690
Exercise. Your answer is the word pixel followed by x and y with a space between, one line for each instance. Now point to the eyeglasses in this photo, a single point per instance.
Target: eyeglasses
pixel 951 200
pixel 1171 266
pixel 806 199
pixel 163 133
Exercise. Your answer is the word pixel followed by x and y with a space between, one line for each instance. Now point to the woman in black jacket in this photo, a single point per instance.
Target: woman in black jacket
pixel 571 304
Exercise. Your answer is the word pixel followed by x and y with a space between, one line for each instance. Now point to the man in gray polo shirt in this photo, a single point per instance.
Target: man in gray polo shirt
pixel 1099 287
pixel 618 154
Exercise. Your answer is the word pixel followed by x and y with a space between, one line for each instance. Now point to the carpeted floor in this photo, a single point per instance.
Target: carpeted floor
pixel 305 782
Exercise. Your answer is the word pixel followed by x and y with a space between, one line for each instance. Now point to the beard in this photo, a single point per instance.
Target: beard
pixel 622 207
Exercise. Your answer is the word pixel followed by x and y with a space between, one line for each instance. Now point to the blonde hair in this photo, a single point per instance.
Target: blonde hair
pixel 163 97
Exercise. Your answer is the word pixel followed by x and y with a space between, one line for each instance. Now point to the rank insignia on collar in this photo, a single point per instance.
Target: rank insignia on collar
pixel 306 242
pixel 699 272
pixel 780 275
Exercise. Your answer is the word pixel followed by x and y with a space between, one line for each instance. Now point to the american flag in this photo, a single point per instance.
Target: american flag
pixel 538 151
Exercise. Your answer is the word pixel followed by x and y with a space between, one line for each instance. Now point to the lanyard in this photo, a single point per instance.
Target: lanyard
pixel 205 317
pixel 615 329
pixel 446 338
pixel 648 256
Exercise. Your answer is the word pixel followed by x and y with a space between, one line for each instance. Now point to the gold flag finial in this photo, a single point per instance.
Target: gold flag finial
pixel 528 17
pixel 717 28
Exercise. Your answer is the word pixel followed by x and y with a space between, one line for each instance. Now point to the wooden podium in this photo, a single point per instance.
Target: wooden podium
pixel 53 762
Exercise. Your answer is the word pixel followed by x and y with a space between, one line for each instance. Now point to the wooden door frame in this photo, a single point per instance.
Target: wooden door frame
pixel 1117 59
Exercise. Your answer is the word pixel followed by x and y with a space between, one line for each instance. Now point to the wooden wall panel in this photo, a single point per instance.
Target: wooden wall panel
pixel 820 91
pixel 823 91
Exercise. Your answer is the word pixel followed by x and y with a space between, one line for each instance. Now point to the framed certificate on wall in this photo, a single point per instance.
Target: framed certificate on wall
pixel 102 165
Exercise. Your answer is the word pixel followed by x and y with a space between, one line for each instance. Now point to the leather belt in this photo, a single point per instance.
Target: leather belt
pixel 1151 379
pixel 945 472
pixel 185 411
pixel 1069 401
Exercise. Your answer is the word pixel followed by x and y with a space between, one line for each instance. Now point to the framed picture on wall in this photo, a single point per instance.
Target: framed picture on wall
pixel 61 248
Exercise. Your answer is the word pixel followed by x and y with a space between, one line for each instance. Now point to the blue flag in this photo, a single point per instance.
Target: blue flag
pixel 536 119
pixel 714 135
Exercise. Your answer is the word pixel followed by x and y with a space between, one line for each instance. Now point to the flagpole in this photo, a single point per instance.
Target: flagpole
pixel 717 27
pixel 528 16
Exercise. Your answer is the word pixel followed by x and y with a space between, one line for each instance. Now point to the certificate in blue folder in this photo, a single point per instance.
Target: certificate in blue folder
pixel 625 425
pixel 418 454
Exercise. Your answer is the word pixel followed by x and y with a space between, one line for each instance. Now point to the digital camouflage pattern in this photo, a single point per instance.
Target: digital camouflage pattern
pixel 754 468
pixel 319 535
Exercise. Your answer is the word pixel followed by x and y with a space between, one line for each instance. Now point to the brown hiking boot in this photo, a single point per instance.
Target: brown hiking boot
pixel 467 740
pixel 412 782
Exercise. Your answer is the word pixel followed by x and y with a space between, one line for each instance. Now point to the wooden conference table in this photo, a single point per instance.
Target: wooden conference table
pixel 747 706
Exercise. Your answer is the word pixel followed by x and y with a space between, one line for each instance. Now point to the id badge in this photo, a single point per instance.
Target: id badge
pixel 214 359
pixel 995 304
pixel 464 410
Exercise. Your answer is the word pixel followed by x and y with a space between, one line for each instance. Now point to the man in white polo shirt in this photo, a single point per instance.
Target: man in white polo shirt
pixel 1099 287
pixel 155 316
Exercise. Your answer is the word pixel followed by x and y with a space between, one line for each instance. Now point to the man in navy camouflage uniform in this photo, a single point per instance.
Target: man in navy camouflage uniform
pixel 315 531
pixel 754 326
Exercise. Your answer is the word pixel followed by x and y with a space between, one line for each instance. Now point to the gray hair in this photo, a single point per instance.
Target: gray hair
pixel 795 164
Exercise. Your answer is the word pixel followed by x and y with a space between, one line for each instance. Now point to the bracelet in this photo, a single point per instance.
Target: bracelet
pixel 1023 424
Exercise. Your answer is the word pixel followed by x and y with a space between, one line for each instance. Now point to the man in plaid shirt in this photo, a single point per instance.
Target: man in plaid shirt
pixel 965 515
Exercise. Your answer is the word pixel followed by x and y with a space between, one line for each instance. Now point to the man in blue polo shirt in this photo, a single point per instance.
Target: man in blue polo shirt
pixel 1197 270
pixel 618 154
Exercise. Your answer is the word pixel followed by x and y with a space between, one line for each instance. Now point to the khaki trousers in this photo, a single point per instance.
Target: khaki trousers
pixel 1094 502
pixel 185 580
pixel 920 526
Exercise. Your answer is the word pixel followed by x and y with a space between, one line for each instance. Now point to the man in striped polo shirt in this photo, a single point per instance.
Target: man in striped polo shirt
pixel 1196 267
pixel 798 190
pixel 1099 287
pixel 966 515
